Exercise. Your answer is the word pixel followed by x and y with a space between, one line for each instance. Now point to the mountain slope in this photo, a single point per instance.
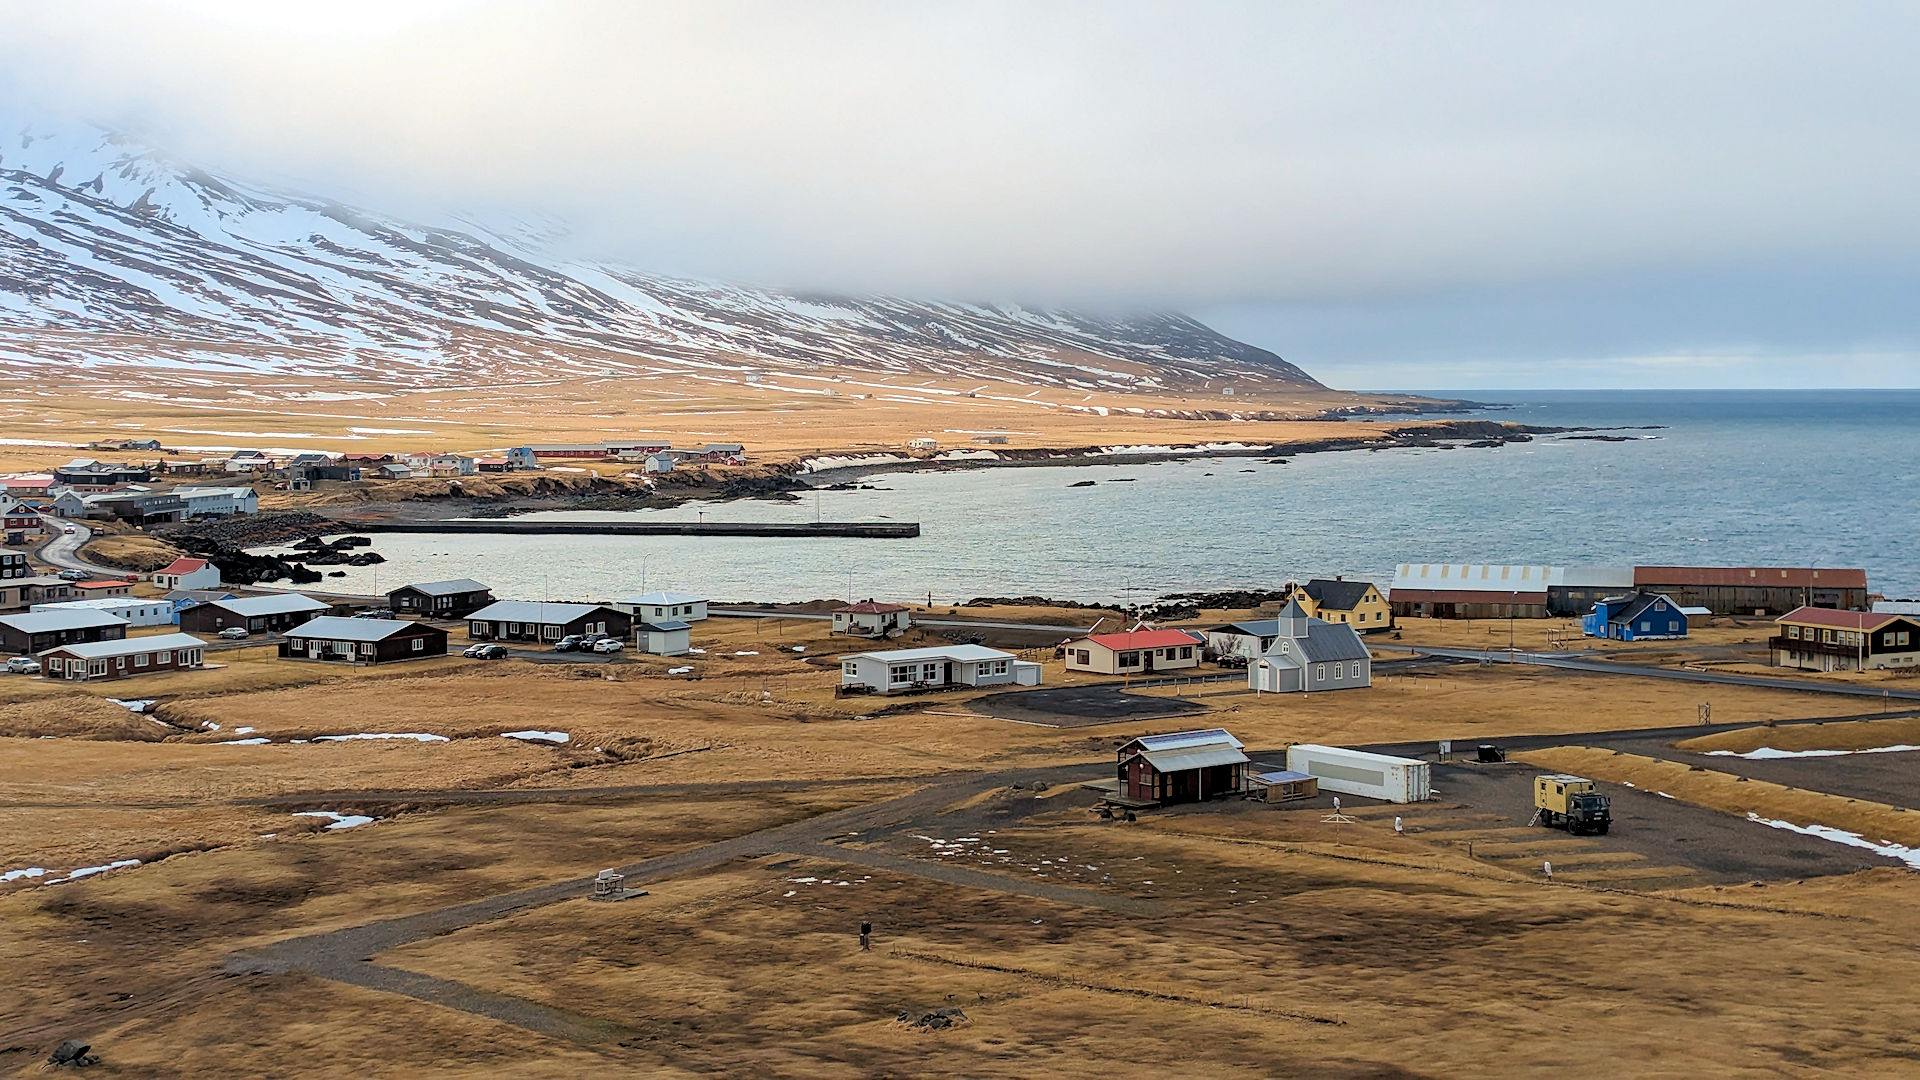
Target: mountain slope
pixel 111 254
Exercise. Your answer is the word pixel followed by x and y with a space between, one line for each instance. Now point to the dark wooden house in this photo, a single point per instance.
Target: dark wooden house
pixel 539 621
pixel 1185 766
pixel 455 599
pixel 333 639
pixel 35 631
pixel 257 614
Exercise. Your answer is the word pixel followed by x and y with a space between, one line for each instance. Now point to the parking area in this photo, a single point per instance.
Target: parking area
pixel 1886 778
pixel 1079 706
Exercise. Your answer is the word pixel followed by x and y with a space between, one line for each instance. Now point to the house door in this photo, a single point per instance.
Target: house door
pixel 1146 661
pixel 315 650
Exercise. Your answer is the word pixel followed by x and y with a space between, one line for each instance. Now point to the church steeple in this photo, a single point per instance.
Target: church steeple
pixel 1293 620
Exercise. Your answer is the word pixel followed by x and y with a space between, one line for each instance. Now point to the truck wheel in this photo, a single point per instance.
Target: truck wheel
pixel 1602 830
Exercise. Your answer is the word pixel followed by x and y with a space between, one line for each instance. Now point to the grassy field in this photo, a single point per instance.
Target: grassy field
pixel 1271 944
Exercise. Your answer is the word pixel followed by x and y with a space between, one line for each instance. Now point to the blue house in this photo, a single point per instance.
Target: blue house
pixel 1636 617
pixel 182 599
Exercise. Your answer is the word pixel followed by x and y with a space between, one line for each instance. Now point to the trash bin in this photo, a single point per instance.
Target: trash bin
pixel 1490 752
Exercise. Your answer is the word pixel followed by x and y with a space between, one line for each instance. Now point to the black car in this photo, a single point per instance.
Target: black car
pixel 490 652
pixel 570 643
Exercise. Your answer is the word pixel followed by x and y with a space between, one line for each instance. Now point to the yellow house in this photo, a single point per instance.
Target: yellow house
pixel 1352 603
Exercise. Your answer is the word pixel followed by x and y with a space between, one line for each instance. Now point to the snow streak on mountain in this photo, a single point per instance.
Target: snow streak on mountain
pixel 111 254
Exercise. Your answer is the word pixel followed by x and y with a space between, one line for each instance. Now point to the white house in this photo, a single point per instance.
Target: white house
pixel 658 463
pixel 655 606
pixel 249 461
pixel 187 574
pixel 870 618
pixel 441 464
pixel 520 457
pixel 1310 654
pixel 938 668
pixel 663 637
pixel 137 610
pixel 219 501
pixel 1135 652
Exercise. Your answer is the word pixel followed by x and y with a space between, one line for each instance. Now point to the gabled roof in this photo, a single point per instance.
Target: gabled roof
pixel 1293 610
pixel 1179 739
pixel 450 587
pixel 1338 594
pixel 49 622
pixel 199 596
pixel 1637 605
pixel 182 566
pixel 1207 757
pixel 964 653
pixel 336 628
pixel 277 604
pixel 535 611
pixel 101 583
pixel 1324 642
pixel 102 650
pixel 1143 639
pixel 1839 620
pixel 669 599
pixel 869 607
pixel 1262 628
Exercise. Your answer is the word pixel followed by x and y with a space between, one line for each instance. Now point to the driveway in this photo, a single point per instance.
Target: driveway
pixel 1079 706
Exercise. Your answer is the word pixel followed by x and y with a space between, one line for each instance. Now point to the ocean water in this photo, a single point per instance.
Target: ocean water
pixel 1829 478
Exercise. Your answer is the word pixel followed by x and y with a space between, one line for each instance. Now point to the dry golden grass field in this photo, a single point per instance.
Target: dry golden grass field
pixel 767 818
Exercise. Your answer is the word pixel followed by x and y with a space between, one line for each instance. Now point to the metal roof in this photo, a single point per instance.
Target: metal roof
pixel 49 622
pixel 1143 639
pixel 1465 596
pixel 445 588
pixel 535 611
pixel 277 604
pixel 962 653
pixel 1469 577
pixel 664 626
pixel 667 599
pixel 869 607
pixel 1167 761
pixel 1177 739
pixel 101 650
pixel 1263 628
pixel 1338 594
pixel 1839 620
pixel 1284 776
pixel 1326 642
pixel 1750 576
pixel 336 628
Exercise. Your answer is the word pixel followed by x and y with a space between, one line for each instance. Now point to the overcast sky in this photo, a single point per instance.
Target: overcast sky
pixel 1391 195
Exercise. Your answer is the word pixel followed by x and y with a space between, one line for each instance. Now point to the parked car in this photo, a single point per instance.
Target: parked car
pixel 608 645
pixel 570 643
pixel 234 633
pixel 74 575
pixel 488 652
pixel 22 665
pixel 374 613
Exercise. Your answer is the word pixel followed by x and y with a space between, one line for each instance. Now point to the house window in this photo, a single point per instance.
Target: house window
pixel 97 667
pixel 900 674
pixel 1129 659
pixel 142 660
pixel 1356 669
pixel 1319 672
pixel 850 669
pixel 56 665
pixel 1286 647
pixel 929 672
pixel 1186 652
pixel 419 645
pixel 1082 657
pixel 1793 632
pixel 550 633
pixel 1902 638
pixel 366 648
pixel 513 628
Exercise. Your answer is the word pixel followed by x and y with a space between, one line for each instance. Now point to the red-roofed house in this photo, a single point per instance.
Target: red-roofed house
pixel 90 589
pixel 187 574
pixel 1824 639
pixel 869 618
pixel 1135 652
pixel 16 516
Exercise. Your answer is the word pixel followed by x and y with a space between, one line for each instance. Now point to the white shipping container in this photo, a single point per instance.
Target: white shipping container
pixel 1356 772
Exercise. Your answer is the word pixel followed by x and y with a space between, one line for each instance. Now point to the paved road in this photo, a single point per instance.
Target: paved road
pixel 1567 662
pixel 63 550
pixel 757 613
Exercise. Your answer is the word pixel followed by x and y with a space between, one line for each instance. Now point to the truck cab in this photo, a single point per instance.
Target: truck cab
pixel 1573 803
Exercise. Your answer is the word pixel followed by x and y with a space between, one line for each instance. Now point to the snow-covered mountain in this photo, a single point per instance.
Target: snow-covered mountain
pixel 113 254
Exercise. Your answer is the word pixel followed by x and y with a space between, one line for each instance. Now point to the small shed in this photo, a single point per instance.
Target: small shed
pixel 1285 785
pixel 1184 766
pixel 663 637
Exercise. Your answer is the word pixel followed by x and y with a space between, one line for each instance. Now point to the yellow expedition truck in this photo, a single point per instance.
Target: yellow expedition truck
pixel 1572 803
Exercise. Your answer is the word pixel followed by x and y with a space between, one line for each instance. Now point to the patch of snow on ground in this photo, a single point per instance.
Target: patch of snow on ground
pixel 139 705
pixel 678 670
pixel 416 736
pixel 245 742
pixel 27 872
pixel 746 652
pixel 340 821
pixel 1768 753
pixel 799 648
pixel 89 871
pixel 1905 854
pixel 538 736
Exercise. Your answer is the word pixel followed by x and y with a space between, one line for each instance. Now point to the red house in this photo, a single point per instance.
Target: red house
pixel 16 516
pixel 1185 766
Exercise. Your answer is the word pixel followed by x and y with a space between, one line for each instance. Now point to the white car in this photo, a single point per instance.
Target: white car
pixel 234 633
pixel 608 645
pixel 23 665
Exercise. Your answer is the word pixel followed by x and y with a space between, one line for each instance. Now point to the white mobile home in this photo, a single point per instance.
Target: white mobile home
pixel 138 611
pixel 1356 772
pixel 655 606
pixel 941 667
